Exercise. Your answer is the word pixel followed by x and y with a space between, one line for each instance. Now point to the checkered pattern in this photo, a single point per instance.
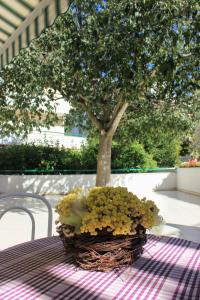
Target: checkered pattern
pixel 168 269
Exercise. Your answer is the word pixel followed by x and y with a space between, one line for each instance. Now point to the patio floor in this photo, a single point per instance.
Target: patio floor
pixel 180 211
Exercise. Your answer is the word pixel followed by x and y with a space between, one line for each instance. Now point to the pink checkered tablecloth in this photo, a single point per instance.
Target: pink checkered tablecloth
pixel 168 269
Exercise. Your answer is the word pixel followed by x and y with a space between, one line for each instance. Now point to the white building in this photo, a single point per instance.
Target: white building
pixel 54 135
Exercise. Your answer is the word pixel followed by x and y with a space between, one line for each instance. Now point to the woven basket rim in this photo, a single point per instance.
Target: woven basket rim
pixel 104 252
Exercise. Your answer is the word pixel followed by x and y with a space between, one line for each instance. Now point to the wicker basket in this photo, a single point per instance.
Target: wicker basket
pixel 104 252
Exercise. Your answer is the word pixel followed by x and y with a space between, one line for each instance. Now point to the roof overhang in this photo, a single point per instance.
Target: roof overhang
pixel 23 20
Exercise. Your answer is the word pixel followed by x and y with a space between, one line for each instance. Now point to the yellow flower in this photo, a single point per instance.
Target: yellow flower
pixel 106 208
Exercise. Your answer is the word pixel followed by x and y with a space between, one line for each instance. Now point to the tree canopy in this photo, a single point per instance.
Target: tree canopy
pixel 105 58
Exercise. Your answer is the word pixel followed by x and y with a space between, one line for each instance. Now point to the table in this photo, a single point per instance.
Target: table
pixel 168 269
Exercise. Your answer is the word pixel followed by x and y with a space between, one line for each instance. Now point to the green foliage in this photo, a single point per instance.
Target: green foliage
pixel 18 157
pixel 167 153
pixel 164 147
pixel 27 157
pixel 89 155
pixel 132 155
pixel 71 159
pixel 152 128
pixel 186 146
pixel 161 140
pixel 100 53
pixel 195 149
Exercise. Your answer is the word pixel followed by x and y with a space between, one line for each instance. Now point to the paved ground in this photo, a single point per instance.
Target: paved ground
pixel 180 211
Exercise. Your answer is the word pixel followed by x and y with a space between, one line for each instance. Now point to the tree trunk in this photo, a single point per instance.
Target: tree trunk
pixel 104 160
pixel 105 145
pixel 106 135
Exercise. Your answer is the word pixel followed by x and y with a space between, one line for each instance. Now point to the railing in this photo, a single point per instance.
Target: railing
pixel 85 171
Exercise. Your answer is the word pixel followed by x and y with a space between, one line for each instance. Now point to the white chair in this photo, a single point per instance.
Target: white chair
pixel 19 207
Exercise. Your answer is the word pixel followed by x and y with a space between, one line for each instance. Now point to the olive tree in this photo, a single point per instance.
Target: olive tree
pixel 106 58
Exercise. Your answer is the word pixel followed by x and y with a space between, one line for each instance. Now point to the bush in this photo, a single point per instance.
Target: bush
pixel 19 157
pixel 123 156
pixel 166 153
pixel 49 158
pixel 71 159
pixel 30 156
pixel 89 155
pixel 131 156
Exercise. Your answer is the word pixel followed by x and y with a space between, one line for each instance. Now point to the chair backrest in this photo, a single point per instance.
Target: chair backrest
pixel 28 195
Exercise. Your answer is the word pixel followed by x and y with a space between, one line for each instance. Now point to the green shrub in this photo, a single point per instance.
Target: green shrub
pixel 89 155
pixel 18 157
pixel 131 156
pixel 124 155
pixel 166 153
pixel 70 160
pixel 30 156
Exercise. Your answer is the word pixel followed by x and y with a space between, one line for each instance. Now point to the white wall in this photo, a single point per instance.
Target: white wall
pixel 188 180
pixel 58 184
pixel 184 179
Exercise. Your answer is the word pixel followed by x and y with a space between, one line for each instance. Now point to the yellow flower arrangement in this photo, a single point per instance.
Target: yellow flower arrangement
pixel 113 209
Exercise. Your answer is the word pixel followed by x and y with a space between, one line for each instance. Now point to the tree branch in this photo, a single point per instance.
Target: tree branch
pixel 185 54
pixel 55 99
pixel 115 112
pixel 94 120
pixel 116 120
